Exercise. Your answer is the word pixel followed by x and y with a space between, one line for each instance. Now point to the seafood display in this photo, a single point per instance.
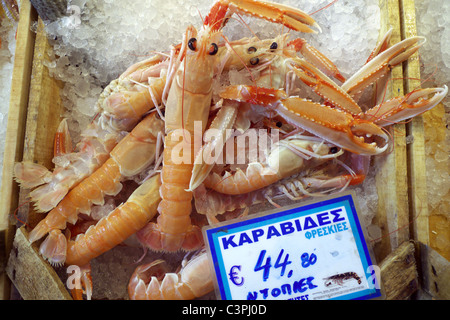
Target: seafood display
pixel 170 141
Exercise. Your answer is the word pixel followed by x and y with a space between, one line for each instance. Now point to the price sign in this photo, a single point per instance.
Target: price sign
pixel 310 252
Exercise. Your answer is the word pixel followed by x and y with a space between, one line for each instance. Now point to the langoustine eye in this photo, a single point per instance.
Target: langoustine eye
pixel 213 49
pixel 251 50
pixel 192 44
pixel 254 61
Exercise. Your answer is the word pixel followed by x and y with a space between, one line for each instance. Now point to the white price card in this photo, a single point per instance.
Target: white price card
pixel 309 252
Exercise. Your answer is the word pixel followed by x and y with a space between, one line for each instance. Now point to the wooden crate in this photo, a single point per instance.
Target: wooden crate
pixel 401 182
pixel 34 115
pixel 14 140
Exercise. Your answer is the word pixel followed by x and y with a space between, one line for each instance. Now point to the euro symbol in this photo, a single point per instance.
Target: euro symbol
pixel 234 276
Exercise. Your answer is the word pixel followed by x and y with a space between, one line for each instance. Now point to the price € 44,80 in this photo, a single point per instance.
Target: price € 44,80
pixel 265 264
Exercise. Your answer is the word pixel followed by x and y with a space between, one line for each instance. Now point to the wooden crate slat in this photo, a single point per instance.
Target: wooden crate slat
pixel 416 150
pixel 399 273
pixel 45 106
pixel 15 129
pixel 44 115
pixel 17 112
pixel 392 216
pixel 34 278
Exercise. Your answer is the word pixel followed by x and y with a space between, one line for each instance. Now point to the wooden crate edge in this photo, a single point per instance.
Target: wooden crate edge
pixel 43 118
pixel 15 132
pixel 391 180
pixel 399 272
pixel 34 278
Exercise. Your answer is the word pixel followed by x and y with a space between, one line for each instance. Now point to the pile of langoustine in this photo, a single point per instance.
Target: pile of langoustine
pixel 169 101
